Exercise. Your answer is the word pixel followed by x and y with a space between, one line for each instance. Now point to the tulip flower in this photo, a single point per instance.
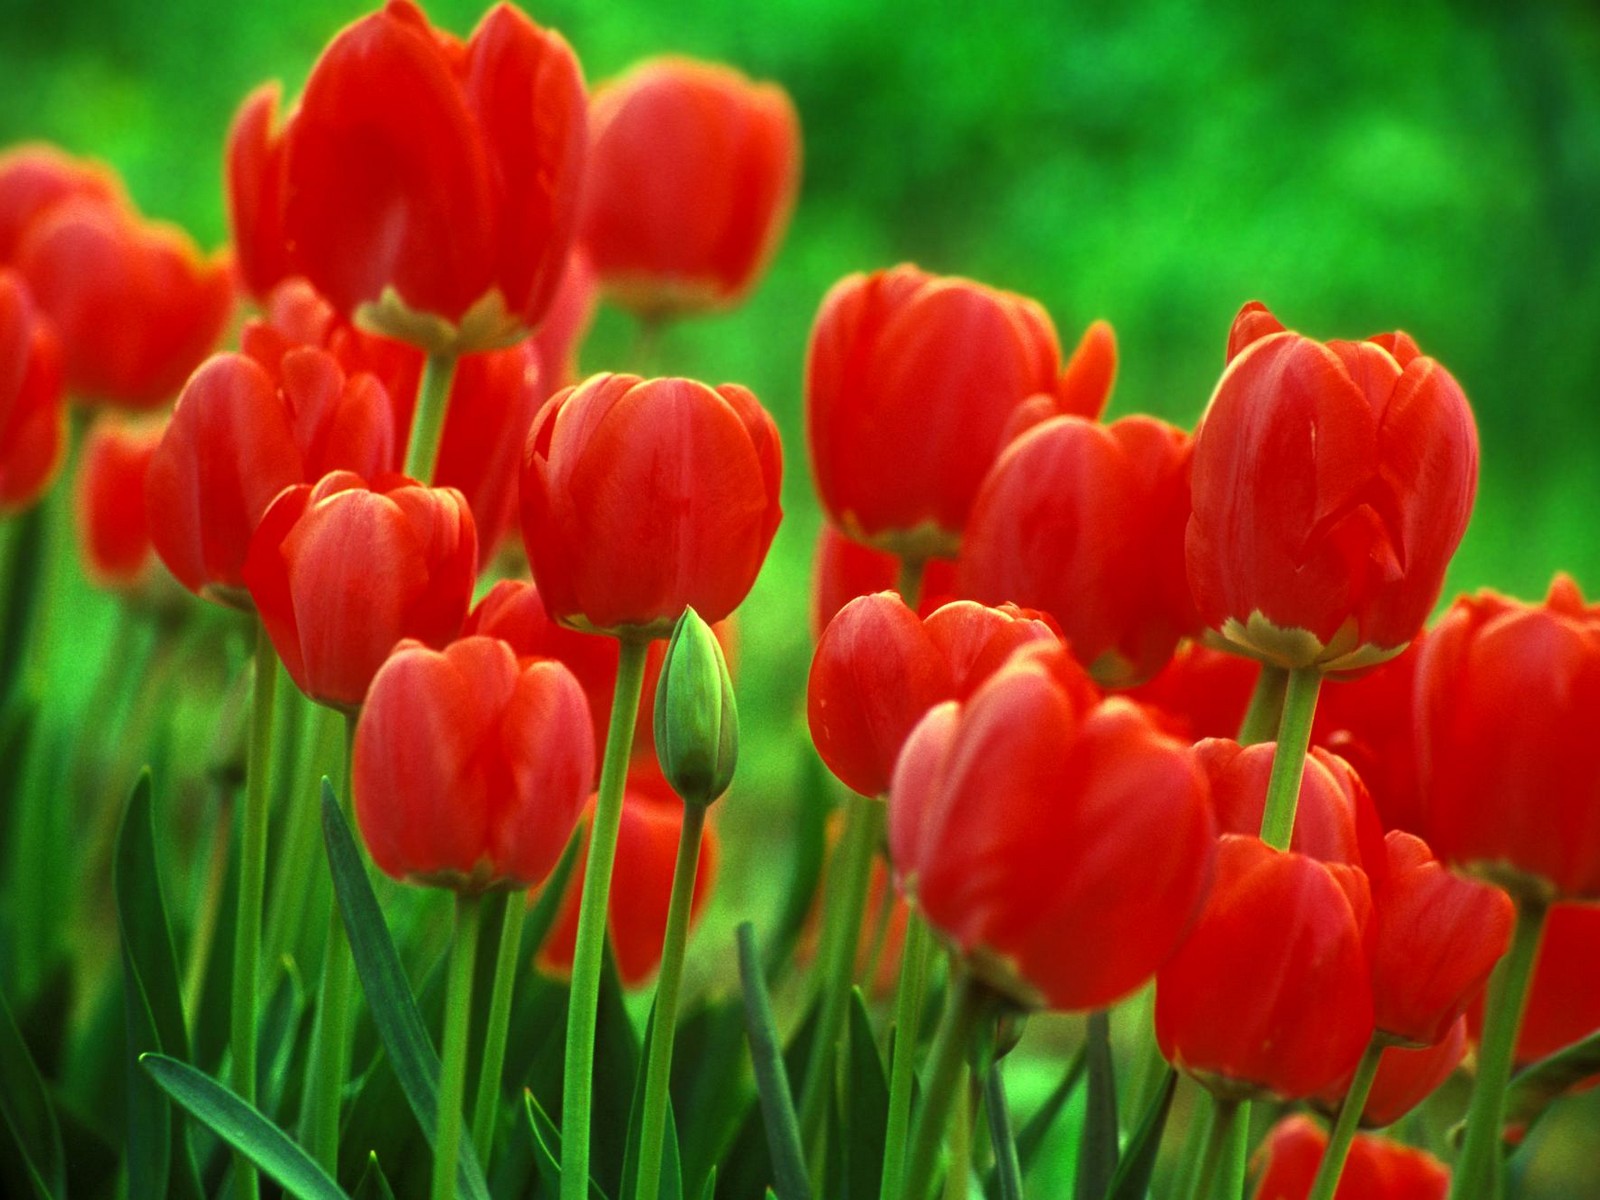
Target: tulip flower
pixel 1270 992
pixel 1086 522
pixel 643 497
pixel 343 571
pixel 843 569
pixel 33 418
pixel 1377 1169
pixel 471 766
pixel 911 383
pixel 1564 996
pixel 692 174
pixel 1062 845
pixel 255 184
pixel 1200 693
pixel 113 530
pixel 1332 483
pixel 36 176
pixel 430 186
pixel 136 305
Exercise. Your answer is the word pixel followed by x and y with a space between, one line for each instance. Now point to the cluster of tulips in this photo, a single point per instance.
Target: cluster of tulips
pixel 1069 672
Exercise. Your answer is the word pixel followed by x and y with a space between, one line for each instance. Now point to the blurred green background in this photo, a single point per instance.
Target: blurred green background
pixel 1358 166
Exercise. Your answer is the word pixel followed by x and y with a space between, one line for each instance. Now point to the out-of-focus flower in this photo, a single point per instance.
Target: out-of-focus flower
pixel 33 415
pixel 113 530
pixel 1377 1169
pixel 35 176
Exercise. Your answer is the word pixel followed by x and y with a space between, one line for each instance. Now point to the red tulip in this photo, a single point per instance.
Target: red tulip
pixel 136 305
pixel 1201 692
pixel 343 571
pixel 471 769
pixel 1406 1077
pixel 692 175
pixel 430 185
pixel 1377 1169
pixel 295 316
pixel 1332 483
pixel 1564 998
pixel 36 176
pixel 643 497
pixel 255 186
pixel 843 569
pixel 33 417
pixel 1371 723
pixel 1270 991
pixel 911 382
pixel 636 918
pixel 1086 522
pixel 113 531
pixel 1506 700
pixel 1061 844
pixel 238 437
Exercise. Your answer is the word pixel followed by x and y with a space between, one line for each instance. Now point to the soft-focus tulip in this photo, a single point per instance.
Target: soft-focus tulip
pixel 1377 1169
pixel 240 435
pixel 431 186
pixel 1270 991
pixel 843 569
pixel 1332 483
pixel 1370 722
pixel 36 176
pixel 33 415
pixel 1201 692
pixel 636 918
pixel 343 571
pixel 643 497
pixel 136 305
pixel 1060 844
pixel 471 769
pixel 911 383
pixel 1086 522
pixel 1406 1077
pixel 113 531
pixel 692 173
pixel 254 166
pixel 1507 697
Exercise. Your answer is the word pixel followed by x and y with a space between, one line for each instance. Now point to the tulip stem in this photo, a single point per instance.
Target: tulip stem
pixel 1266 706
pixel 457 1020
pixel 487 1105
pixel 578 1077
pixel 909 582
pixel 1478 1171
pixel 659 1072
pixel 1002 1136
pixel 965 1009
pixel 902 1069
pixel 1289 759
pixel 1344 1129
pixel 1220 1118
pixel 863 825
pixel 252 882
pixel 427 425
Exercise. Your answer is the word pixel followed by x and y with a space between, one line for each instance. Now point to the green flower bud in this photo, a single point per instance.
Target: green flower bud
pixel 696 720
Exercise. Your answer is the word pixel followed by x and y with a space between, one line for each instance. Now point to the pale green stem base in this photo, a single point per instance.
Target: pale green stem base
pixel 902 1070
pixel 427 424
pixel 507 966
pixel 1289 759
pixel 1266 706
pixel 909 582
pixel 453 1068
pixel 1220 1118
pixel 1344 1129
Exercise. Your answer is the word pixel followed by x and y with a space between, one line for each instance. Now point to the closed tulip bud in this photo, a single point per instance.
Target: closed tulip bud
pixel 35 177
pixel 113 530
pixel 33 415
pixel 696 718
pixel 471 767
pixel 1377 1169
pixel 1332 483
pixel 1406 1077
pixel 843 569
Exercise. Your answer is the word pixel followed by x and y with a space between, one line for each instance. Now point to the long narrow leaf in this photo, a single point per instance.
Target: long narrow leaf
pixel 1032 1136
pixel 1097 1151
pixel 383 980
pixel 243 1127
pixel 1132 1179
pixel 772 1081
pixel 27 1118
pixel 1007 1177
pixel 547 1149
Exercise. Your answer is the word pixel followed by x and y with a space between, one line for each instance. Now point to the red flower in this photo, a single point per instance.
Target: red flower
pixel 1086 522
pixel 255 180
pixel 1564 999
pixel 1370 722
pixel 692 174
pixel 1270 991
pixel 642 497
pixel 843 569
pixel 1406 1077
pixel 136 305
pixel 1507 695
pixel 1201 692
pixel 911 383
pixel 238 437
pixel 1332 483
pixel 113 531
pixel 430 185
pixel 1377 1169
pixel 36 176
pixel 33 417
pixel 1062 845
pixel 636 916
pixel 343 571
pixel 471 769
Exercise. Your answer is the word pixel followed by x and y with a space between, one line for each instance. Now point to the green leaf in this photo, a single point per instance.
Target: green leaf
pixel 383 980
pixel 373 1185
pixel 671 1166
pixel 772 1080
pixel 710 1037
pixel 1033 1133
pixel 1097 1149
pixel 616 1065
pixel 243 1127
pixel 27 1117
pixel 160 1163
pixel 709 1192
pixel 1132 1180
pixel 547 1149
pixel 865 1119
pixel 1535 1089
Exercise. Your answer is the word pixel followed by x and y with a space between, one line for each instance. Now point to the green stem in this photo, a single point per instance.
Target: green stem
pixel 1344 1129
pixel 959 1172
pixel 1220 1116
pixel 909 582
pixel 863 825
pixel 1478 1171
pixel 252 880
pixel 427 425
pixel 453 1070
pixel 205 932
pixel 25 568
pixel 1007 1166
pixel 659 1072
pixel 506 969
pixel 902 1069
pixel 584 998
pixel 1289 759
pixel 295 880
pixel 1266 706
pixel 966 1007
pixel 644 356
